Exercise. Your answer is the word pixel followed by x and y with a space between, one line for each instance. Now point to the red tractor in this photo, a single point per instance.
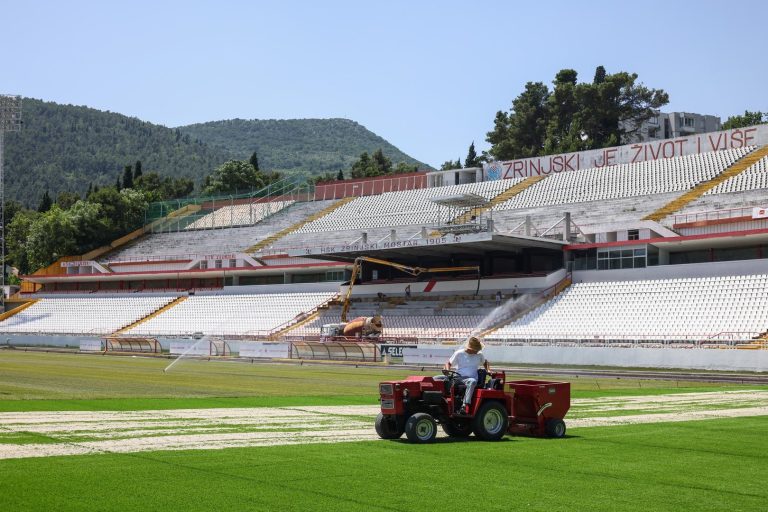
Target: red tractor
pixel 416 405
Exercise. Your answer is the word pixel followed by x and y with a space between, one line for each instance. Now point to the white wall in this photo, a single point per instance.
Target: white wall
pixel 720 268
pixel 466 287
pixel 692 359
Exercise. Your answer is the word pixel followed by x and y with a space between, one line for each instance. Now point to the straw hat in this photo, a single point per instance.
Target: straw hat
pixel 473 343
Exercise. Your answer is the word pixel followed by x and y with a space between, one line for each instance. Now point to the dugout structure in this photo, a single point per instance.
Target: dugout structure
pixel 335 351
pixel 132 344
pixel 219 348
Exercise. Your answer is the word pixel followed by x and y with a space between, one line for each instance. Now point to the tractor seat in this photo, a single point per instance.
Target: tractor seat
pixel 494 384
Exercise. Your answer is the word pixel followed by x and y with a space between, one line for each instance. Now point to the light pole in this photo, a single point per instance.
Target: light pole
pixel 10 121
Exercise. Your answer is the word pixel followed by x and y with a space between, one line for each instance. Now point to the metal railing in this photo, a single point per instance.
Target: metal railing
pixel 713 215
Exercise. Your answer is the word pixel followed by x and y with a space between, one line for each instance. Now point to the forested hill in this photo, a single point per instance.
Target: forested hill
pixel 308 145
pixel 66 147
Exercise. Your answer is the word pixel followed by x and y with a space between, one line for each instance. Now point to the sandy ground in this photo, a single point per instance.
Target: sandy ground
pixel 77 433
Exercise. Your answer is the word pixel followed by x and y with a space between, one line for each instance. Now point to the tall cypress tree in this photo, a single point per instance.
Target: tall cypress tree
pixel 471 160
pixel 118 185
pixel 128 177
pixel 45 203
pixel 254 161
pixel 137 170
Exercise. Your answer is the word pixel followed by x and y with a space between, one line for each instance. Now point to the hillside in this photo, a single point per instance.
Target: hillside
pixel 312 146
pixel 66 147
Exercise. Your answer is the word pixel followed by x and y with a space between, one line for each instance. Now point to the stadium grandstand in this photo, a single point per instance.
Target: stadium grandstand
pixel 662 244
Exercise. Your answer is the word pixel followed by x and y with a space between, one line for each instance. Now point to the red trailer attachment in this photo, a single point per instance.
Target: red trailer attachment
pixel 538 407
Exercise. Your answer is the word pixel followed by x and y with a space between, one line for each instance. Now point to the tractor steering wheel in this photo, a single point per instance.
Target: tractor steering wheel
pixel 451 374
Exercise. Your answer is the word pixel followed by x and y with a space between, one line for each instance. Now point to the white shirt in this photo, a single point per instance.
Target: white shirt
pixel 467 364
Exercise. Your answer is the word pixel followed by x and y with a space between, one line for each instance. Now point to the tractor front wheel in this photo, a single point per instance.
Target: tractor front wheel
pixel 457 427
pixel 387 427
pixel 421 428
pixel 491 422
pixel 555 428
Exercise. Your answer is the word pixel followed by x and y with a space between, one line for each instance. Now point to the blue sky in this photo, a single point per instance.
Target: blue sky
pixel 428 76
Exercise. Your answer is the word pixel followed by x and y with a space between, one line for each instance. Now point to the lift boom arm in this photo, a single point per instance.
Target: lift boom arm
pixel 414 271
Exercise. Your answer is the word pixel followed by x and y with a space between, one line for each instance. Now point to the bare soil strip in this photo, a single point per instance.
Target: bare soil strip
pixel 79 433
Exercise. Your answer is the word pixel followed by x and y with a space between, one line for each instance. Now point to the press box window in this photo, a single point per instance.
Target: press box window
pixel 633 234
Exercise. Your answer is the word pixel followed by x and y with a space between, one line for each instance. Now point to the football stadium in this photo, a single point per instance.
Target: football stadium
pixel 230 350
pixel 243 269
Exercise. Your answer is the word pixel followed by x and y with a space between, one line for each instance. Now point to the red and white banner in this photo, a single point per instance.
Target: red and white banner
pixel 628 154
pixel 760 213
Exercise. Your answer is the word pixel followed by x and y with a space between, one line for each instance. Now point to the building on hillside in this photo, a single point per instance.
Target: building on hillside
pixel 669 125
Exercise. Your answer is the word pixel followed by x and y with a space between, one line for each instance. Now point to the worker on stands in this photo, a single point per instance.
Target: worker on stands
pixel 467 361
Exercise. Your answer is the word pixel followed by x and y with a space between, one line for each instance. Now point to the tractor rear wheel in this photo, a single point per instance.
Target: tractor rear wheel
pixel 457 427
pixel 387 427
pixel 491 422
pixel 421 428
pixel 555 428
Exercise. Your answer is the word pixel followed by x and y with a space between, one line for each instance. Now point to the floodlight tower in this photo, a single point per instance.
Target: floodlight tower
pixel 10 121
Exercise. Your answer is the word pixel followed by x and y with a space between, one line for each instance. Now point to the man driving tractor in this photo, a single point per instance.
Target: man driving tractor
pixel 467 361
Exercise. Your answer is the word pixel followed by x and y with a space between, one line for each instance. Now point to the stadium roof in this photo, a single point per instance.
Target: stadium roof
pixel 461 201
pixel 438 248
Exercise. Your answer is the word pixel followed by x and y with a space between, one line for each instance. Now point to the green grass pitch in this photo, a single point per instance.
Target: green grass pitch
pixel 697 465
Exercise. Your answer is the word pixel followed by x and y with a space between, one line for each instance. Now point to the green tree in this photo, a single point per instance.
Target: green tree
pixel 50 237
pixel 521 132
pixel 233 177
pixel 66 199
pixel 362 166
pixel 254 160
pixel 383 165
pixel 323 178
pixel 137 170
pixel 599 75
pixel 340 175
pixel 11 209
pixel 45 203
pixel 449 165
pixel 472 159
pixel 17 240
pixel 128 177
pixel 748 119
pixel 563 133
pixel 118 184
pixel 573 116
pixel 157 188
pixel 404 168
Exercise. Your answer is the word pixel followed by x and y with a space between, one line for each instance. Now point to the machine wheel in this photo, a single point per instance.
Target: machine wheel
pixel 387 427
pixel 421 428
pixel 457 428
pixel 555 428
pixel 491 422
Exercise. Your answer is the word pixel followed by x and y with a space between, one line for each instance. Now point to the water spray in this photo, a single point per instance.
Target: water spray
pixel 183 354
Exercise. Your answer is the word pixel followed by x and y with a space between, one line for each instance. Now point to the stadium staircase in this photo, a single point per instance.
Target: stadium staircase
pixel 705 186
pixel 290 229
pixel 175 217
pixel 511 192
pixel 537 301
pixel 282 330
pixel 168 306
pixel 19 309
